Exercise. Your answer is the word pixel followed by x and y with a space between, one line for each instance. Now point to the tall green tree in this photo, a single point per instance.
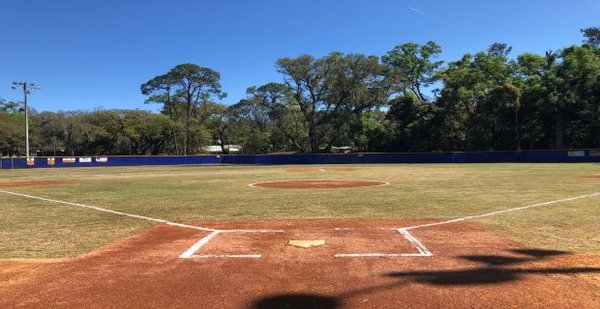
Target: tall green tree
pixel 186 87
pixel 330 89
pixel 416 65
pixel 592 36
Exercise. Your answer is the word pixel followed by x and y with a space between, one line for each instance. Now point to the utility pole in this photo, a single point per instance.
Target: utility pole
pixel 27 87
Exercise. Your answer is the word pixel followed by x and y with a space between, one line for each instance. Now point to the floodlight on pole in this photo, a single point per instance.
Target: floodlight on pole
pixel 27 87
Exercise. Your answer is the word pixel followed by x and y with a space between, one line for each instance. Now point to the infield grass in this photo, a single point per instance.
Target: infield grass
pixel 33 228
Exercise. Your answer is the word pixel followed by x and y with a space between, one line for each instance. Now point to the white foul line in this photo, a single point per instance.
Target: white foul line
pixel 226 256
pixel 120 213
pixel 423 251
pixel 501 211
pixel 189 253
pixel 252 231
pixel 362 255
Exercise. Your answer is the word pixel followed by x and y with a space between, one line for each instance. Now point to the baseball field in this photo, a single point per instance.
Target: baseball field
pixel 376 236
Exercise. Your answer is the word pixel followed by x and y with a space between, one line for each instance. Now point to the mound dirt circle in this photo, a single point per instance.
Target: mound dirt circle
pixel 317 184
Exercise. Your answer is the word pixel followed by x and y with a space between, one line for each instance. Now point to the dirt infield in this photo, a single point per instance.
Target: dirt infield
pixel 13 184
pixel 316 184
pixel 470 268
pixel 321 169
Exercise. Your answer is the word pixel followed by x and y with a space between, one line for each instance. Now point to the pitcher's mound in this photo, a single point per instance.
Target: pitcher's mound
pixel 311 184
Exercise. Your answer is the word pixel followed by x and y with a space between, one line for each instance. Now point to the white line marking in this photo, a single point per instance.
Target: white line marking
pixel 191 250
pixel 502 211
pixel 365 228
pixel 413 240
pixel 226 256
pixel 252 231
pixel 120 213
pixel 189 253
pixel 423 251
pixel 381 255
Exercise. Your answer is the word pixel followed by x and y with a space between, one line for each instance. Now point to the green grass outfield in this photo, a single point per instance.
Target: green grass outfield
pixel 33 228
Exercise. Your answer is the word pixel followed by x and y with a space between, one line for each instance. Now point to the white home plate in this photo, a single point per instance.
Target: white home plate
pixel 306 243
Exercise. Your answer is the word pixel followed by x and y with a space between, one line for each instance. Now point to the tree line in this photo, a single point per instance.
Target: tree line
pixel 405 100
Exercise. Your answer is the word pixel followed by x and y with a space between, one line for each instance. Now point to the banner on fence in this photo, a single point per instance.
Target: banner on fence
pixel 69 160
pixel 101 159
pixel 30 161
pixel 51 161
pixel 578 153
pixel 85 160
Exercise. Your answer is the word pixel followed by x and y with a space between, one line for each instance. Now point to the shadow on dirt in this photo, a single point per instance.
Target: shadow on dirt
pixel 492 271
pixel 297 301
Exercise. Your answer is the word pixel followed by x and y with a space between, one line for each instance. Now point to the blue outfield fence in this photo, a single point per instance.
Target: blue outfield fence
pixel 557 156
pixel 551 156
pixel 18 163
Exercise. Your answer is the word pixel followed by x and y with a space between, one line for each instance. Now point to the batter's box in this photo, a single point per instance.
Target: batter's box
pixel 229 244
pixel 341 242
pixel 382 242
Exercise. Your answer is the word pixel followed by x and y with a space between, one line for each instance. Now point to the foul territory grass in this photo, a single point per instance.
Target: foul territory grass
pixel 33 228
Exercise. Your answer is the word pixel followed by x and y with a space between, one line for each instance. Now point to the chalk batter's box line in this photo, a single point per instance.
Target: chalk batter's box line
pixel 191 253
pixel 421 249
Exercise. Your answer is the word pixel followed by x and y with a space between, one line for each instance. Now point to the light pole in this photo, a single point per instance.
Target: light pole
pixel 27 87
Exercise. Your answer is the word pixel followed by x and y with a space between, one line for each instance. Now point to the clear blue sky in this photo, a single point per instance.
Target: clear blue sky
pixel 96 53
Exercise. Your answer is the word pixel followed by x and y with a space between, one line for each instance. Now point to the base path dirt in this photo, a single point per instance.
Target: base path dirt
pixel 470 268
pixel 6 184
pixel 317 184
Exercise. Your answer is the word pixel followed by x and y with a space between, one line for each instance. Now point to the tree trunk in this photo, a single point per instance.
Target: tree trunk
pixel 560 130
pixel 517 130
pixel 314 138
pixel 187 132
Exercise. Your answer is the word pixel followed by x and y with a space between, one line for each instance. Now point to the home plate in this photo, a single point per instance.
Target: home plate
pixel 306 243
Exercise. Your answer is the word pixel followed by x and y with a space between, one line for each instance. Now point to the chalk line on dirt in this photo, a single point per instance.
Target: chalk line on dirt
pixel 423 251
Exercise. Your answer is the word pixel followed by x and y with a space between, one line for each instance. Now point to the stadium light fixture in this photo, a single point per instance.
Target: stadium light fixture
pixel 27 87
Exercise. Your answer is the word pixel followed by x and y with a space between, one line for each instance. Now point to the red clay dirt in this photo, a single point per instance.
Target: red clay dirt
pixel 316 184
pixel 470 268
pixel 591 176
pixel 31 183
pixel 321 169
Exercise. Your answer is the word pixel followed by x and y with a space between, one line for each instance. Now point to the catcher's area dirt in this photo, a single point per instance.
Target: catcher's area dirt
pixel 471 268
pixel 5 184
pixel 316 184
pixel 321 169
